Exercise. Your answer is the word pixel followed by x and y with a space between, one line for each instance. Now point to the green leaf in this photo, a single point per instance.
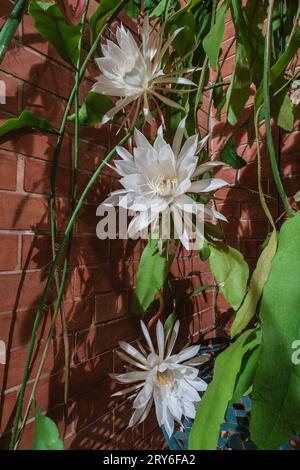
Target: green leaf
pixel 152 272
pixel 93 109
pixel 132 9
pixel 184 40
pixel 26 120
pixel 159 9
pixel 297 196
pixel 212 42
pixel 257 283
pixel 229 155
pixel 275 414
pixel 206 428
pixel 282 110
pixel 204 253
pixel 279 67
pixel 245 377
pixel 51 24
pixel 187 7
pixel 46 433
pixel 239 89
pixel 199 290
pixel 231 272
pixel 169 323
pixel 98 19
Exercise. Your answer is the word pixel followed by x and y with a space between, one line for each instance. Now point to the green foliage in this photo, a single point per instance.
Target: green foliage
pixel 231 272
pixel 152 272
pixel 98 19
pixel 231 380
pixel 229 155
pixel 26 120
pixel 133 9
pixel 51 24
pixel 93 109
pixel 212 42
pixel 185 40
pixel 239 89
pixel 276 406
pixel 169 323
pixel 257 283
pixel 46 435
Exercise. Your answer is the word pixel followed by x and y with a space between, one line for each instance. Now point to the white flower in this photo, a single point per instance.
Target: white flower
pixel 169 380
pixel 155 181
pixel 135 74
pixel 295 94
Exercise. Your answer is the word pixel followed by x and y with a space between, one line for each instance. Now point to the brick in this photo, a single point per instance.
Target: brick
pixel 34 68
pixel 111 306
pixel 8 171
pixel 8 252
pixel 37 178
pixel 100 338
pixel 93 436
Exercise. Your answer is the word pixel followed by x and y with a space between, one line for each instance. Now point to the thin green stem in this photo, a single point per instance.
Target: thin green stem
pixel 10 26
pixel 266 91
pixel 50 282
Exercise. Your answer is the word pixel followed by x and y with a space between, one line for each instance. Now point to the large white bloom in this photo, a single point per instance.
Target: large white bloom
pixel 156 180
pixel 136 74
pixel 169 380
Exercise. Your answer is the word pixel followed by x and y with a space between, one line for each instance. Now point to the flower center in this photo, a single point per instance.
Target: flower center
pixel 164 187
pixel 164 378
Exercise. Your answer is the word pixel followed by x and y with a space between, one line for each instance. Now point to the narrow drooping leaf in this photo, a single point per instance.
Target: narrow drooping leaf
pixel 245 377
pixel 26 120
pixel 275 414
pixel 50 23
pixel 159 9
pixel 231 272
pixel 282 110
pixel 257 283
pixel 187 7
pixel 239 89
pixel 229 155
pixel 185 40
pixel 206 428
pixel 212 42
pixel 98 19
pixel 152 272
pixel 93 109
pixel 169 323
pixel 46 435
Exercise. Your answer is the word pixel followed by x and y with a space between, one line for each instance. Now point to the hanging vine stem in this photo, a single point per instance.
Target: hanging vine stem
pixel 59 252
pixel 53 217
pixel 266 92
pixel 10 26
pixel 51 279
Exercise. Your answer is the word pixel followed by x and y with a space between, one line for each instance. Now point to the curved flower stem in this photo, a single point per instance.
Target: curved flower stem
pixel 10 26
pixel 51 279
pixel 266 92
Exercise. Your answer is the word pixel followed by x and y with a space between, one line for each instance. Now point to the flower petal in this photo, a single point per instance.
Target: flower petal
pixel 207 185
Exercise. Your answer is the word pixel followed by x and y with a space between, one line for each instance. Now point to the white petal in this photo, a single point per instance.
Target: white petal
pixel 124 153
pixel 129 377
pixel 185 354
pixel 147 336
pixel 206 167
pixel 207 185
pixel 179 136
pixel 173 338
pixel 133 352
pixel 160 339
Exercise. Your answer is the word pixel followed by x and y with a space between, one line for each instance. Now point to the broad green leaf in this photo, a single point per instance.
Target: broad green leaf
pixel 212 42
pixel 46 433
pixel 219 98
pixel 98 19
pixel 152 272
pixel 275 413
pixel 206 428
pixel 204 253
pixel 189 6
pixel 282 110
pixel 159 9
pixel 229 155
pixel 93 109
pixel 239 88
pixel 185 40
pixel 245 377
pixel 51 24
pixel 26 120
pixel 132 9
pixel 257 283
pixel 231 272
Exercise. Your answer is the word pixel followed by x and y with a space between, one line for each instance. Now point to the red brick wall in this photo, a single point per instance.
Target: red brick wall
pixel 102 273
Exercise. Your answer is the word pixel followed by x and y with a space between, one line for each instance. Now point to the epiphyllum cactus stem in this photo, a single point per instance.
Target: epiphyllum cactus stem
pixel 71 15
pixel 10 26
